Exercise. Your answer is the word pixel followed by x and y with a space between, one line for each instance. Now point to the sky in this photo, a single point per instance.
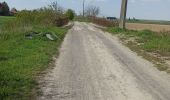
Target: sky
pixel 140 9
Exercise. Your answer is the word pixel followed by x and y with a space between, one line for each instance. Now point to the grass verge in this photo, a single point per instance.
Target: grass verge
pixel 151 45
pixel 21 59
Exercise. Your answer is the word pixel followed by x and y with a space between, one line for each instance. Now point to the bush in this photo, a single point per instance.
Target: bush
pixel 60 21
pixel 43 16
pixel 70 14
pixel 105 22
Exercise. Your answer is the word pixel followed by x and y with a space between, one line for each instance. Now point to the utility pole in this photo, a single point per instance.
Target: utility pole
pixel 83 7
pixel 123 14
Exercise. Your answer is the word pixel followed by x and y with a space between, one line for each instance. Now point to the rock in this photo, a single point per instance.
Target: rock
pixel 50 37
pixel 28 36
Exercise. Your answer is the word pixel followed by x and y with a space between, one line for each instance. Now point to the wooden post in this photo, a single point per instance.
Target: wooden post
pixel 83 7
pixel 123 14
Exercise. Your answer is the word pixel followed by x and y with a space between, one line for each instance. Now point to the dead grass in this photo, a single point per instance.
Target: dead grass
pixel 153 27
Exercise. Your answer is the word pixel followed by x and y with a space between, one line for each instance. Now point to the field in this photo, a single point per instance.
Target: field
pixel 159 22
pixel 4 19
pixel 153 27
pixel 22 58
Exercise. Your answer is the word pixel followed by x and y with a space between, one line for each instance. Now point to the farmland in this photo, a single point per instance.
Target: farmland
pixel 154 25
pixel 159 22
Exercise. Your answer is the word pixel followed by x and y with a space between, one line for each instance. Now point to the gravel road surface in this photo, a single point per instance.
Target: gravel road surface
pixel 94 65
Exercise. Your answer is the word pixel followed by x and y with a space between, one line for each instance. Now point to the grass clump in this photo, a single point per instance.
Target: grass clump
pixel 115 30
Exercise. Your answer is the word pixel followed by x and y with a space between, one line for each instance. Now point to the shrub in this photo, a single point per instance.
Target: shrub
pixel 43 16
pixel 70 14
pixel 60 21
pixel 105 22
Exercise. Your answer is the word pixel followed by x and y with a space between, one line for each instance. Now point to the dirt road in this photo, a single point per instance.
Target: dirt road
pixel 94 65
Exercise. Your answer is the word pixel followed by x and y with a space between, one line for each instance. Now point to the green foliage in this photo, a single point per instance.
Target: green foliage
pixel 70 14
pixel 4 10
pixel 115 30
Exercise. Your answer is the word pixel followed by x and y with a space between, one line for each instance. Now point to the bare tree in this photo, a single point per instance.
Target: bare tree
pixel 56 7
pixel 92 11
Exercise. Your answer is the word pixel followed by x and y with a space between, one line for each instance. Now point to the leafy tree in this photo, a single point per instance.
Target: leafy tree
pixel 4 9
pixel 70 14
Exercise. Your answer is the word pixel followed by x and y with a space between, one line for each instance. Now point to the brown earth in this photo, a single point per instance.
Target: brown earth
pixel 153 27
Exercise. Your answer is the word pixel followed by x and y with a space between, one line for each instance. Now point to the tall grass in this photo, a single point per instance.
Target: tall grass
pixel 43 16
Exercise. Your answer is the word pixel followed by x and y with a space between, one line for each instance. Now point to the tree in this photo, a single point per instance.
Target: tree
pixel 56 7
pixel 70 14
pixel 4 9
pixel 92 11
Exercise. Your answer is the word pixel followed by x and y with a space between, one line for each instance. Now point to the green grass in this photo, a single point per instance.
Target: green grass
pixel 160 22
pixel 4 19
pixel 151 41
pixel 147 41
pixel 22 59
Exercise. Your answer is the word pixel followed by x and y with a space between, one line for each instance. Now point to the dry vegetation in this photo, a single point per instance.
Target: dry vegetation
pixel 104 22
pixel 153 27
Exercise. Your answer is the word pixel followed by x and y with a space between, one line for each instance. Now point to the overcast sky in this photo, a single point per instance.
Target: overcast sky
pixel 142 9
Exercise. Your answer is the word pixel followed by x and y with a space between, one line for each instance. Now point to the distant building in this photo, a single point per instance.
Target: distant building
pixel 13 11
pixel 111 18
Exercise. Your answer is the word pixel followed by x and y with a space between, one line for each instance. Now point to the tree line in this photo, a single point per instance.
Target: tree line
pixel 5 10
